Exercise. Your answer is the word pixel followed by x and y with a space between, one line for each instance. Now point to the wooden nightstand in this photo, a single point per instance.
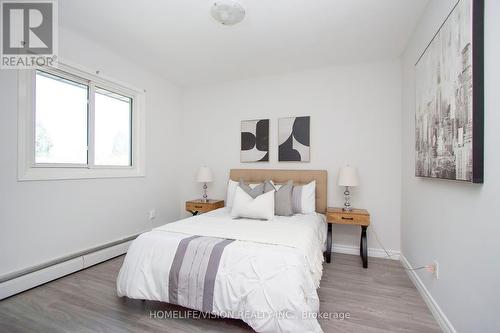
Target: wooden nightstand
pixel 359 217
pixel 200 206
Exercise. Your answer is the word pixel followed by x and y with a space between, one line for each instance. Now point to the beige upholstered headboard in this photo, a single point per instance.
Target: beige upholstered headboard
pixel 282 176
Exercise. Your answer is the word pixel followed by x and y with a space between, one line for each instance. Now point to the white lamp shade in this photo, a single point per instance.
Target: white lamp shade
pixel 204 175
pixel 348 176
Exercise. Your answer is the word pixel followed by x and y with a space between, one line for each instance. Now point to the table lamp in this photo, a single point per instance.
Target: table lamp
pixel 204 176
pixel 348 177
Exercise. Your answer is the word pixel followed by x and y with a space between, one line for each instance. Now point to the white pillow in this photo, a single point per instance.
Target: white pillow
pixel 304 198
pixel 261 207
pixel 231 190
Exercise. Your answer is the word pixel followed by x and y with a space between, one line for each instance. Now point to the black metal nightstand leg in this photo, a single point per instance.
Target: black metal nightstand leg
pixel 194 212
pixel 363 247
pixel 328 252
pixel 361 243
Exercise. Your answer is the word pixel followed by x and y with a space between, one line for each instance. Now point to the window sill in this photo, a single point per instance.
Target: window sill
pixel 33 174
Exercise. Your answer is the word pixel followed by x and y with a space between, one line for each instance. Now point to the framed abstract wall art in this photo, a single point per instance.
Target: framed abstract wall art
pixel 254 141
pixel 449 116
pixel 293 139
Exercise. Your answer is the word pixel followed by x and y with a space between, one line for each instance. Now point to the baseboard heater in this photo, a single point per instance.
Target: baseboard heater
pixel 27 278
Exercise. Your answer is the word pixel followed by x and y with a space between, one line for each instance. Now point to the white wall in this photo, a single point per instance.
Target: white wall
pixel 455 223
pixel 355 118
pixel 43 220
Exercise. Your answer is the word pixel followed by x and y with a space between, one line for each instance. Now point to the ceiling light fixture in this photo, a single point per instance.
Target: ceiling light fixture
pixel 228 12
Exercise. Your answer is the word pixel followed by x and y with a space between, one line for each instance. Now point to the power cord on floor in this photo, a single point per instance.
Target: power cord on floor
pixel 429 268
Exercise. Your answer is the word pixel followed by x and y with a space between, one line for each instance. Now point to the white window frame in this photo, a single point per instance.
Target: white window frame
pixel 29 170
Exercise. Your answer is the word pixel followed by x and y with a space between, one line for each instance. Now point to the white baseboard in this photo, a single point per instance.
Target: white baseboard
pixel 372 252
pixel 28 281
pixel 436 311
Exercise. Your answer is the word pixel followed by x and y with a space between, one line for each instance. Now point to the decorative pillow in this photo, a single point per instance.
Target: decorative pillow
pixel 304 198
pixel 282 197
pixel 276 186
pixel 253 191
pixel 261 207
pixel 231 190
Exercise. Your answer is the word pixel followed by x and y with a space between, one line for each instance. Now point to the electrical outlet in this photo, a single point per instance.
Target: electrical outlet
pixel 436 270
pixel 152 214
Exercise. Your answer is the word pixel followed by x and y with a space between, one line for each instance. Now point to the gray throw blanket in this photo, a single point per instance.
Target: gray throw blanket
pixel 193 272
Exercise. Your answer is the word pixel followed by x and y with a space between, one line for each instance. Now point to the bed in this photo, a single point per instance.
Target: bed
pixel 265 273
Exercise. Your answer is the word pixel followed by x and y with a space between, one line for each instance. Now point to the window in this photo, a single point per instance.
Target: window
pixel 76 125
pixel 61 113
pixel 113 128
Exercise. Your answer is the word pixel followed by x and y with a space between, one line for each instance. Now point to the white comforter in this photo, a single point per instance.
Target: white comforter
pixel 268 277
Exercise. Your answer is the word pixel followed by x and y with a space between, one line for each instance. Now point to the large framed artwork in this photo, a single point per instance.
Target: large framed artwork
pixel 449 117
pixel 293 139
pixel 255 140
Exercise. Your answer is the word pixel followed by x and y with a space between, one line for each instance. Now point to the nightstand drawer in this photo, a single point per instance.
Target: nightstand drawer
pixel 349 218
pixel 200 207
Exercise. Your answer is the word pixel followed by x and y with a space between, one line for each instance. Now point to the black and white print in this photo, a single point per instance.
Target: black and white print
pixel 255 140
pixel 444 119
pixel 293 139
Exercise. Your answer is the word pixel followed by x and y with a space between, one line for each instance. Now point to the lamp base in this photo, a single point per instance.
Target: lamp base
pixel 347 200
pixel 205 197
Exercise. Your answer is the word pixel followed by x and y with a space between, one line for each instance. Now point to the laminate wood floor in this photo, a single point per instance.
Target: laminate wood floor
pixel 378 299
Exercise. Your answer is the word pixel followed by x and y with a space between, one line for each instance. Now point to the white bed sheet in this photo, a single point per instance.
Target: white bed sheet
pixel 265 277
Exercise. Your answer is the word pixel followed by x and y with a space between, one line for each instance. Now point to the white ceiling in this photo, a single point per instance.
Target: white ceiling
pixel 180 40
